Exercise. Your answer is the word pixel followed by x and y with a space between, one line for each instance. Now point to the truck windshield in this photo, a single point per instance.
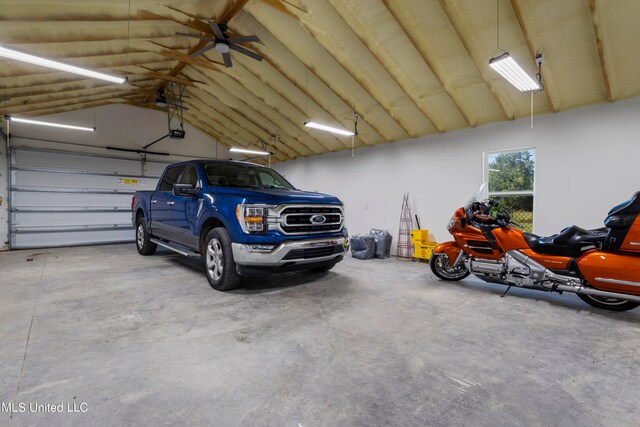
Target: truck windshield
pixel 238 175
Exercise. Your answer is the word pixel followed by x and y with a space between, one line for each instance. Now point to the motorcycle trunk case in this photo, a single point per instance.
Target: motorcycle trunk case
pixel 608 271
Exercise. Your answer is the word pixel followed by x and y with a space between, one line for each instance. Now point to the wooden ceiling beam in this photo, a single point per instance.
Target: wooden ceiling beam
pixel 532 51
pixel 108 68
pixel 225 16
pixel 349 99
pixel 429 63
pixel 409 93
pixel 237 140
pixel 61 102
pixel 61 95
pixel 302 85
pixel 239 119
pixel 68 107
pixel 383 103
pixel 599 46
pixel 508 114
pixel 252 102
pixel 19 91
pixel 289 110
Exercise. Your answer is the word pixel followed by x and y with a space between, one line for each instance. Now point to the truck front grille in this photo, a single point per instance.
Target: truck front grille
pixel 311 219
pixel 314 252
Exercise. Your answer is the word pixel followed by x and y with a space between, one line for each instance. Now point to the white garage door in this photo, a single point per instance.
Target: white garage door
pixel 61 199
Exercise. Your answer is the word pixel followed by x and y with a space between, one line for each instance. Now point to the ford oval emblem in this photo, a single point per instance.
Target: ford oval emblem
pixel 318 219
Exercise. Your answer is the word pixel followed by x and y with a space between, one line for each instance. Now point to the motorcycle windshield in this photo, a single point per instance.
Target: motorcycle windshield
pixel 479 196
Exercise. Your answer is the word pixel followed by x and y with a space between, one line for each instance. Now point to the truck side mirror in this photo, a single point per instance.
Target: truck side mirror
pixel 185 190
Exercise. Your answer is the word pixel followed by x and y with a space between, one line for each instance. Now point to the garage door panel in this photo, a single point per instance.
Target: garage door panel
pixel 60 198
pixel 27 199
pixel 78 162
pixel 24 220
pixel 71 238
pixel 26 179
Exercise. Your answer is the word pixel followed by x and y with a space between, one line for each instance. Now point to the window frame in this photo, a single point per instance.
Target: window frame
pixel 485 176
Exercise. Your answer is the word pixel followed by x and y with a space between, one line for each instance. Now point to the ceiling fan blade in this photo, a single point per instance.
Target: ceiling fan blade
pixel 227 59
pixel 203 50
pixel 216 30
pixel 195 36
pixel 242 39
pixel 246 52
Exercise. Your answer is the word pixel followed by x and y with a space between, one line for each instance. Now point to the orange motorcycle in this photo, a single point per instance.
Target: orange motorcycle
pixel 601 266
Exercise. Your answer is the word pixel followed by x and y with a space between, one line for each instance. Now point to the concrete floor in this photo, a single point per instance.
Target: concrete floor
pixel 146 341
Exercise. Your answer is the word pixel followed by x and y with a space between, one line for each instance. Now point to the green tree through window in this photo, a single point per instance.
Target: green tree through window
pixel 510 177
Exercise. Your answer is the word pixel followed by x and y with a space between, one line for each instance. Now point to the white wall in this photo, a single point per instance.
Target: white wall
pixel 117 125
pixel 586 162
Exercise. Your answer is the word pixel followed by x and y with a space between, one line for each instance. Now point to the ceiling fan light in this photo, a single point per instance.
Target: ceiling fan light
pixel 43 62
pixel 222 47
pixel 326 128
pixel 513 73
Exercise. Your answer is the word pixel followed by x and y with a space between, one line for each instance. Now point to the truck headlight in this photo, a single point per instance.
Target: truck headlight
pixel 251 218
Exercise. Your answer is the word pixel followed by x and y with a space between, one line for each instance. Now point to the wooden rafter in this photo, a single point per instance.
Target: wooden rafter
pixel 429 63
pixel 354 102
pixel 296 84
pixel 62 102
pixel 252 102
pixel 408 92
pixel 225 16
pixel 603 68
pixel 238 119
pixel 532 52
pixel 291 107
pixel 508 114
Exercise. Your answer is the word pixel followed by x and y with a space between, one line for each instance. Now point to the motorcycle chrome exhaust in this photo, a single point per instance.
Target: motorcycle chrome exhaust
pixel 597 293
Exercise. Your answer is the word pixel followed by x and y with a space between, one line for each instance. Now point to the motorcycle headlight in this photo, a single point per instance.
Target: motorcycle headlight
pixel 452 223
pixel 251 218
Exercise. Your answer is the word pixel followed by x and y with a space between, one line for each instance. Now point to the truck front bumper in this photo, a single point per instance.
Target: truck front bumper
pixel 290 253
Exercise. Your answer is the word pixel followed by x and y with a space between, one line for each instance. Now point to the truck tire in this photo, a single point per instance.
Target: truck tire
pixel 143 244
pixel 220 267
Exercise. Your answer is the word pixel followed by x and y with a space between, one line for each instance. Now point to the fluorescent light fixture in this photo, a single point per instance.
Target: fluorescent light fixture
pixel 243 150
pixel 32 59
pixel 55 125
pixel 328 128
pixel 510 70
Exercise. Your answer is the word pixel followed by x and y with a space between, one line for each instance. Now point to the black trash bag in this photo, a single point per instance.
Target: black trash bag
pixel 362 246
pixel 383 243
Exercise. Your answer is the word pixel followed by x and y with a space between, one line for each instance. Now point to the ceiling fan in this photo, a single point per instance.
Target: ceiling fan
pixel 222 43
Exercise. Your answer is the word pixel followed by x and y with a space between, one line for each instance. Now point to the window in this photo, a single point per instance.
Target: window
pixel 169 178
pixel 188 176
pixel 510 177
pixel 239 175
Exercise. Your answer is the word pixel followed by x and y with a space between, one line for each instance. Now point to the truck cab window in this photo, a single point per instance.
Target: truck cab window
pixel 189 176
pixel 169 178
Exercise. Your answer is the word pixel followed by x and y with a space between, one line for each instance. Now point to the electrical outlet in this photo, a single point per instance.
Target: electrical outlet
pixel 539 59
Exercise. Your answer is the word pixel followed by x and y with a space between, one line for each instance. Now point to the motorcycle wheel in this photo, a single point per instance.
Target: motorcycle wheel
pixel 439 264
pixel 613 304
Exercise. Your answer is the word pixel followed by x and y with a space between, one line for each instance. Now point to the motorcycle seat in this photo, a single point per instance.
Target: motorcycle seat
pixel 570 242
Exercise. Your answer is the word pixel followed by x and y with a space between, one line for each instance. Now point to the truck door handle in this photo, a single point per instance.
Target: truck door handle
pixel 171 203
pixel 154 201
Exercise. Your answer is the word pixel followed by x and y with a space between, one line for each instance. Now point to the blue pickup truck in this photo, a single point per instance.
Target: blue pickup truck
pixel 241 218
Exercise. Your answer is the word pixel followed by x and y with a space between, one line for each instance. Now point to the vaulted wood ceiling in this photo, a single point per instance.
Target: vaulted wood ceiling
pixel 409 68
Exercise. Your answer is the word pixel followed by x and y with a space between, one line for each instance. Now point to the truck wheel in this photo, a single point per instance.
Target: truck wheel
pixel 143 244
pixel 219 265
